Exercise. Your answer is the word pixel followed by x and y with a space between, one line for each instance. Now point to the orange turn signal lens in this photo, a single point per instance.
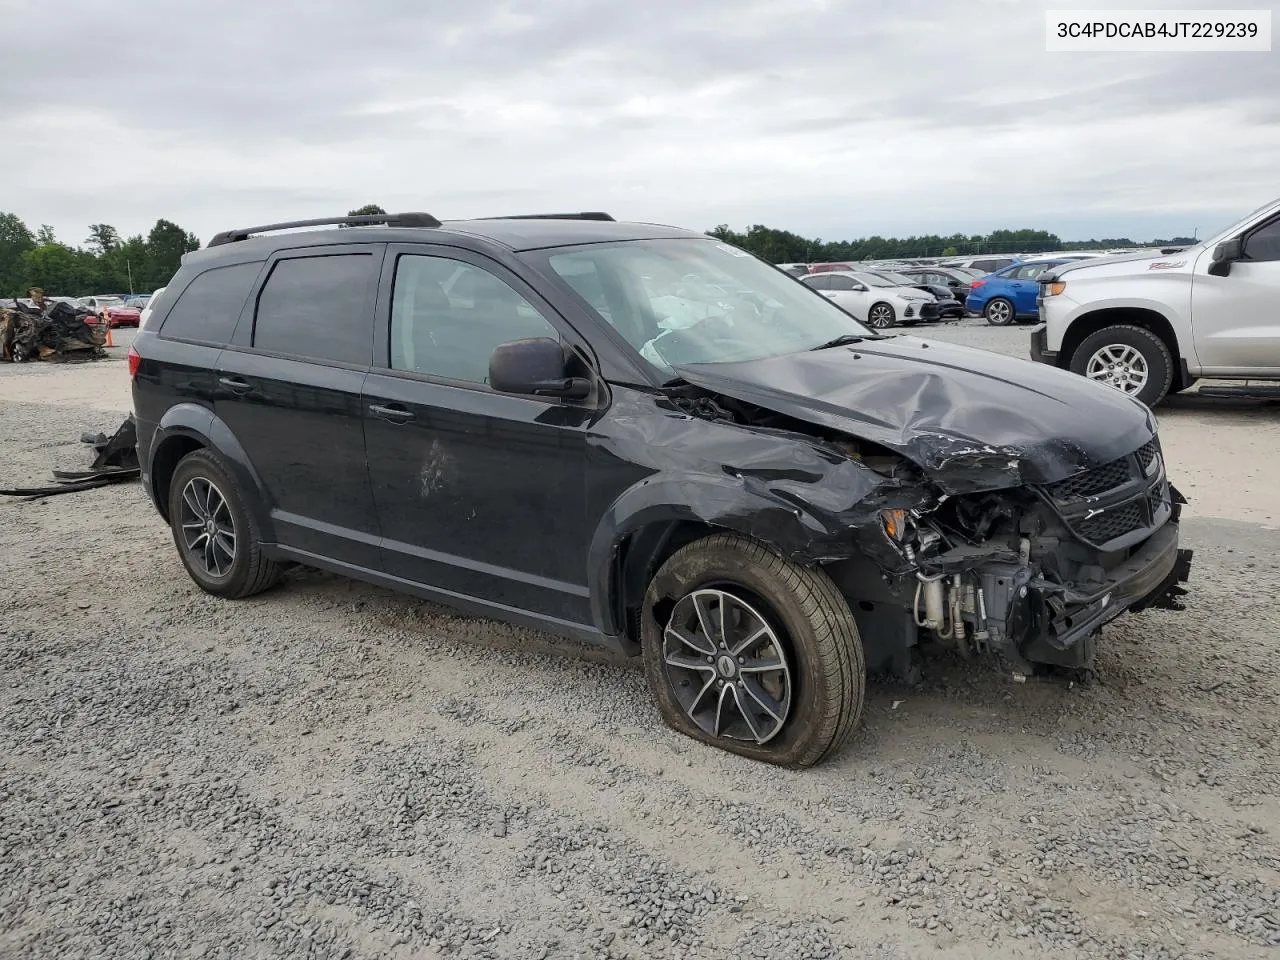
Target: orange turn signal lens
pixel 1055 288
pixel 895 523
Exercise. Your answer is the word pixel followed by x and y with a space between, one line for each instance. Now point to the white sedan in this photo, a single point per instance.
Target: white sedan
pixel 874 300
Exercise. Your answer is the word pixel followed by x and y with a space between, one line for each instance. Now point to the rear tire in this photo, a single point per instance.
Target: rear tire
pixel 999 312
pixel 1129 358
pixel 217 539
pixel 811 632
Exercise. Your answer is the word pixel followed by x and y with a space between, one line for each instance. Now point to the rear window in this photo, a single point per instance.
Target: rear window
pixel 208 309
pixel 318 308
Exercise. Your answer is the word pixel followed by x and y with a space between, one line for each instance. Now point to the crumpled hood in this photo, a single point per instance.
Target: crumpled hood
pixel 974 420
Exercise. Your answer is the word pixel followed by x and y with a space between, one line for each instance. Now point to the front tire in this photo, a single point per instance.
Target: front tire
pixel 747 651
pixel 881 316
pixel 217 540
pixel 1129 358
pixel 999 312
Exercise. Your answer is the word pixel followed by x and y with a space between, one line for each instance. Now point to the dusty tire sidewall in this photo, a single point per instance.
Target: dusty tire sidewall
pixel 1154 351
pixel 202 464
pixel 683 574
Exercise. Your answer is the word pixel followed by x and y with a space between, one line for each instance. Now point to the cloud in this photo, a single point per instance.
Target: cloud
pixel 829 118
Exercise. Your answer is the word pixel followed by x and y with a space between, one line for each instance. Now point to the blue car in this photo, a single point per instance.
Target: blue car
pixel 1010 293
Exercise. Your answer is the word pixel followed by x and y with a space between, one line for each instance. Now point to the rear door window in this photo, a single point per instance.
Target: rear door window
pixel 319 308
pixel 208 309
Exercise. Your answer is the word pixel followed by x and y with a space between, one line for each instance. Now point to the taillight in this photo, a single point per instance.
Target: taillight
pixel 975 284
pixel 135 361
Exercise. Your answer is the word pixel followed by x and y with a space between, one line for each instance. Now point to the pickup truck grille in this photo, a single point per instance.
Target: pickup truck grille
pixel 1117 503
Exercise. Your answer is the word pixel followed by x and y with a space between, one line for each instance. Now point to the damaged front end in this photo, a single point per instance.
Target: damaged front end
pixel 984 549
pixel 1033 572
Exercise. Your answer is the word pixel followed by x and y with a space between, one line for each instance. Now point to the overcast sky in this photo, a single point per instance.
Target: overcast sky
pixel 832 119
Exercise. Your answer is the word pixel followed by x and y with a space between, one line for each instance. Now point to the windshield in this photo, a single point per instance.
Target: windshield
pixel 700 301
pixel 873 280
pixel 898 278
pixel 106 303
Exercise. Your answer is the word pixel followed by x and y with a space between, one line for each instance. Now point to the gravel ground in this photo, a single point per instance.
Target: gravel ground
pixel 330 770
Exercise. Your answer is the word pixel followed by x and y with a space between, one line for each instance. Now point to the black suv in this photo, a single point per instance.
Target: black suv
pixel 642 437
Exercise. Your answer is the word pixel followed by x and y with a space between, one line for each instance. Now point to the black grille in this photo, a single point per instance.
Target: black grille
pixel 1092 482
pixel 1146 453
pixel 1113 523
pixel 1158 497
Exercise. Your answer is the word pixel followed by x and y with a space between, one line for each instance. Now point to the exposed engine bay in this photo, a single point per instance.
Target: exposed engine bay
pixel 1029 573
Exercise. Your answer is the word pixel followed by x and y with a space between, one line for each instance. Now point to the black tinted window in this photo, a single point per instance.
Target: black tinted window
pixel 819 281
pixel 843 283
pixel 318 307
pixel 1264 243
pixel 447 317
pixel 209 307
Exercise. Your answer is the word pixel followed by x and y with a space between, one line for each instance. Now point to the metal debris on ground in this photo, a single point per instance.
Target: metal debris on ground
pixel 48 330
pixel 116 461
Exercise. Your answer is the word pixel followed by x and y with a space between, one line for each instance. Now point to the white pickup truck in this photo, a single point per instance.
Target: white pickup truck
pixel 1150 324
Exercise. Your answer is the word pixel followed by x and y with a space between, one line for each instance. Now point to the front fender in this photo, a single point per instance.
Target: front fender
pixel 191 421
pixel 739 503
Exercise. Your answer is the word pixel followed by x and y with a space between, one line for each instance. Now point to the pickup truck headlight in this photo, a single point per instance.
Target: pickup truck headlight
pixel 1053 289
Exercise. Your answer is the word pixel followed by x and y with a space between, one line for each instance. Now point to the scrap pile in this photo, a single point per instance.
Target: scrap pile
pixel 48 330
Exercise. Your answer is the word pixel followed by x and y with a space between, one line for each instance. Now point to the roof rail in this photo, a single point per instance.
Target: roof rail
pixel 390 219
pixel 587 215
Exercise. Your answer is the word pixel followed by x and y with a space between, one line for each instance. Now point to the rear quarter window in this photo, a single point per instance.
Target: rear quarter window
pixel 319 308
pixel 210 306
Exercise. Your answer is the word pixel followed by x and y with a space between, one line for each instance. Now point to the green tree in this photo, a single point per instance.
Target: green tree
pixel 45 235
pixel 102 237
pixel 368 210
pixel 124 266
pixel 950 252
pixel 165 245
pixel 15 240
pixel 60 270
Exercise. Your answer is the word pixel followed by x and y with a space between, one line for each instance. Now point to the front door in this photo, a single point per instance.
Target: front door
pixel 1236 319
pixel 480 494
pixel 289 388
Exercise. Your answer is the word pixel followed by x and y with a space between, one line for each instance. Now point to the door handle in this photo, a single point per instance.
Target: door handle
pixel 235 384
pixel 394 413
pixel 831 295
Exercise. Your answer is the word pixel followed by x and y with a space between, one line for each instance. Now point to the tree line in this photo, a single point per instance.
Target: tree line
pixel 783 246
pixel 104 262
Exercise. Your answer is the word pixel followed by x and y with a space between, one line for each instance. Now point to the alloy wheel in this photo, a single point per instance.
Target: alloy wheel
pixel 881 316
pixel 208 530
pixel 1120 366
pixel 727 666
pixel 999 312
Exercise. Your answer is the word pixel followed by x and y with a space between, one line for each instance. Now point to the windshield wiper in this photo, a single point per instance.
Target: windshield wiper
pixel 841 341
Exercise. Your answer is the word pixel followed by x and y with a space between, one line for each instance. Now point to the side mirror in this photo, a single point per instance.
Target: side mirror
pixel 1225 254
pixel 535 367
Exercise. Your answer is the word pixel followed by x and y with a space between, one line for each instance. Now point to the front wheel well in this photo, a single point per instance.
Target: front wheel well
pixel 639 558
pixel 1090 323
pixel 165 460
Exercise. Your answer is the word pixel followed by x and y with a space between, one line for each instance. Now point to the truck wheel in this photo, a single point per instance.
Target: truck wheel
pixel 215 536
pixel 1129 358
pixel 749 652
pixel 999 312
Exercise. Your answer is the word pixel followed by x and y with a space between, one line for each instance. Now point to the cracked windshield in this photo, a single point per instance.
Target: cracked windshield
pixel 696 301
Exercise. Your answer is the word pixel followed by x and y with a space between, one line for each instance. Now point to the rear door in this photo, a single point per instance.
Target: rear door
pixel 1236 319
pixel 289 388
pixel 1024 287
pixel 480 494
